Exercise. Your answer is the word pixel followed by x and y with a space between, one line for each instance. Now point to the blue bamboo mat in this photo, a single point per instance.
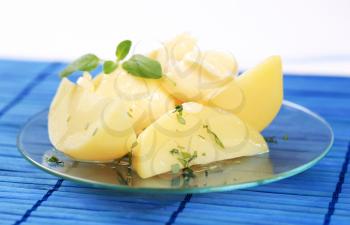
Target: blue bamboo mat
pixel 320 195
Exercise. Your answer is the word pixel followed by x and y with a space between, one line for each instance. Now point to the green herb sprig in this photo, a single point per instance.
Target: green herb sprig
pixel 216 138
pixel 121 52
pixel 185 158
pixel 138 65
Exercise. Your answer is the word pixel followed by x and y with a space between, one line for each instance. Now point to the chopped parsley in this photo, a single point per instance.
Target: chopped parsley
pixel 130 159
pixel 178 108
pixel 179 117
pixel 216 138
pixel 285 137
pixel 134 144
pixel 95 131
pixel 185 158
pixel 201 136
pixel 129 113
pixel 271 139
pixel 188 173
pixel 174 151
pixel 53 160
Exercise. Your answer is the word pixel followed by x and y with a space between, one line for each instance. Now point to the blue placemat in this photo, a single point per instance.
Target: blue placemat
pixel 320 195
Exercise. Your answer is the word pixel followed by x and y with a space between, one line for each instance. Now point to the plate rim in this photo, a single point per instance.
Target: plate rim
pixel 184 190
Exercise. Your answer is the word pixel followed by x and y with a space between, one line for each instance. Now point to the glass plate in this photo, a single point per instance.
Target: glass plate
pixel 297 138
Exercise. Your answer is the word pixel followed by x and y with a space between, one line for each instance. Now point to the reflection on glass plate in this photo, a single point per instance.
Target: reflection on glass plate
pixel 297 139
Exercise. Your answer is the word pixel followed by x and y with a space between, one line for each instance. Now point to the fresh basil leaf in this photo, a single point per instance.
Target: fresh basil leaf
pixel 67 71
pixel 109 67
pixel 123 49
pixel 142 66
pixel 86 62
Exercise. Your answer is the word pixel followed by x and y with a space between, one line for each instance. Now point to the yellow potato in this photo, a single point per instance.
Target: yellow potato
pixel 256 95
pixel 213 134
pixel 86 126
pixel 144 99
pixel 214 64
pixel 192 75
pixel 196 79
pixel 174 50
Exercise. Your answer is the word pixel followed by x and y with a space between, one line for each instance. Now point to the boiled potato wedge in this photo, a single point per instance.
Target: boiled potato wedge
pixel 89 127
pixel 203 133
pixel 256 95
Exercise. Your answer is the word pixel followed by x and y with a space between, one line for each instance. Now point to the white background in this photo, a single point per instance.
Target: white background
pixel 312 36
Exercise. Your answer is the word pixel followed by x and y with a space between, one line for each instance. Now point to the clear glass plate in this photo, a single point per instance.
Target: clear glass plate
pixel 297 138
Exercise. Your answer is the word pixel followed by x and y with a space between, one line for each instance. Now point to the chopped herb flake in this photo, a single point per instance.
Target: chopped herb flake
pixel 188 173
pixel 271 139
pixel 179 117
pixel 134 145
pixel 129 114
pixel 95 131
pixel 54 160
pixel 216 138
pixel 184 157
pixel 179 108
pixel 130 159
pixel 174 151
pixel 201 136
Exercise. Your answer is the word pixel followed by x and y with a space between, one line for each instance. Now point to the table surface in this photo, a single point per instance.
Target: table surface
pixel 321 195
